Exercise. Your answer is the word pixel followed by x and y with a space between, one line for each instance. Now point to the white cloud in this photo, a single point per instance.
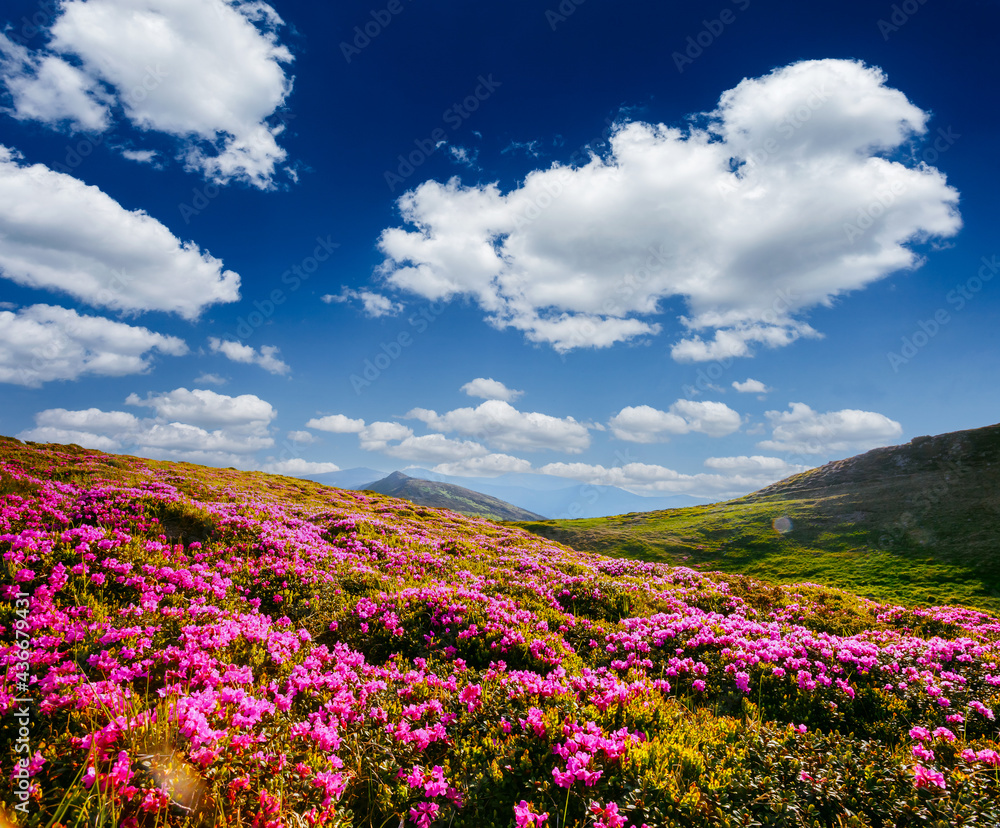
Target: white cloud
pixel 266 358
pixel 42 343
pixel 488 465
pixel 336 423
pixel 434 448
pixel 499 424
pixel 208 72
pixel 46 88
pixel 57 233
pixel 751 386
pixel 240 428
pixel 210 379
pixel 757 464
pixel 490 389
pixel 297 467
pixel 529 148
pixel 645 424
pixel 303 437
pixel 744 216
pixel 373 304
pixel 377 436
pixel 462 457
pixel 804 431
pixel 741 476
pixel 738 342
pixel 464 156
pixel 141 156
pixel 208 408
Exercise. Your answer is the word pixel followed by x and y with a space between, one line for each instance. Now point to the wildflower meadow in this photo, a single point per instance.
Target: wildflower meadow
pixel 188 646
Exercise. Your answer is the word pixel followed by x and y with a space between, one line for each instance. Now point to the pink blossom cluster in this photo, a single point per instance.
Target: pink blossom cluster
pixel 225 613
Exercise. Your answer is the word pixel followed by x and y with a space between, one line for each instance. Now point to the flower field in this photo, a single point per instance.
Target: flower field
pixel 193 646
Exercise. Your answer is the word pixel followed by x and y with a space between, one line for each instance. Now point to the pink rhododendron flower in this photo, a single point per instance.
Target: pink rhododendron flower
pixel 525 818
pixel 925 777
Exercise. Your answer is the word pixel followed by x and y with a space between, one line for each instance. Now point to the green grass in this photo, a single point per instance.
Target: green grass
pixel 828 543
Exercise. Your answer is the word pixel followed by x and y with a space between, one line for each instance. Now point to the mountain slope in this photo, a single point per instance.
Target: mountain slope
pixel 447 496
pixel 918 522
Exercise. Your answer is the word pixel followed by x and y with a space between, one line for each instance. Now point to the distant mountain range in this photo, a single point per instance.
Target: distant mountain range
pixel 446 496
pixel 542 494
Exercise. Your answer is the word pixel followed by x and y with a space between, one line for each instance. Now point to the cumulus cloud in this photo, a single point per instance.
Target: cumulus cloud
pixel 46 88
pixel 756 464
pixel 377 436
pixel 57 233
pixel 193 426
pixel 750 386
pixel 210 379
pixel 208 408
pixel 459 457
pixel 645 424
pixel 487 465
pixel 435 448
pixel 499 424
pixel 490 389
pixel 745 216
pixel 464 156
pixel 737 478
pixel 266 358
pixel 303 437
pixel 337 424
pixel 42 343
pixel 297 467
pixel 208 72
pixel 804 431
pixel 141 156
pixel 374 305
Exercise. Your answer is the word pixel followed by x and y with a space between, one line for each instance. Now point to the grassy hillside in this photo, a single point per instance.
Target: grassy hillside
pixel 912 524
pixel 210 647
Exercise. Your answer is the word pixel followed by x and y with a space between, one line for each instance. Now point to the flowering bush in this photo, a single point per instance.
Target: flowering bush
pixel 213 647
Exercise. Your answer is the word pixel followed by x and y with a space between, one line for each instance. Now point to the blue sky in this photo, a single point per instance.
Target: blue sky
pixel 678 248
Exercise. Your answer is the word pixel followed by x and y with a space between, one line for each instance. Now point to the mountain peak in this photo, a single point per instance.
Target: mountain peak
pixel 448 496
pixel 396 477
